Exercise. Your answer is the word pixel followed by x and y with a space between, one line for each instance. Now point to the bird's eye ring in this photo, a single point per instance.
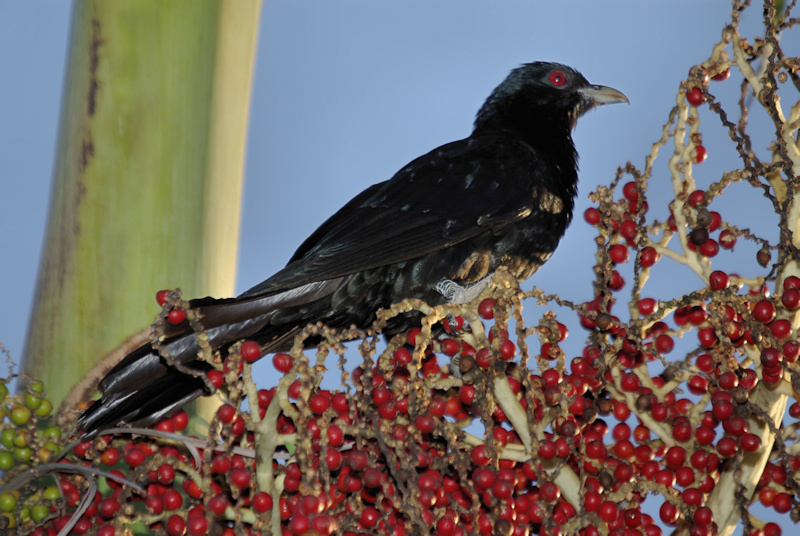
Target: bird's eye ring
pixel 557 78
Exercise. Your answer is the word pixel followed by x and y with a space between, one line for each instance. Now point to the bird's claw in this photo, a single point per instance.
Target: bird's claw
pixel 458 294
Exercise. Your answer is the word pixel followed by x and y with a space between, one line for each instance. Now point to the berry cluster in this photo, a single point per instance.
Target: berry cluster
pixel 672 416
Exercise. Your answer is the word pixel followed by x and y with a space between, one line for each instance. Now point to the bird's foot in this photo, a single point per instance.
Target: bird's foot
pixel 458 294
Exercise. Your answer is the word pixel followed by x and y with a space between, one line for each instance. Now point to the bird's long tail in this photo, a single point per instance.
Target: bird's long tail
pixel 147 385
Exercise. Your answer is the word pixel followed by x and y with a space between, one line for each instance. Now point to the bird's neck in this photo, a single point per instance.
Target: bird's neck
pixel 549 136
pixel 547 130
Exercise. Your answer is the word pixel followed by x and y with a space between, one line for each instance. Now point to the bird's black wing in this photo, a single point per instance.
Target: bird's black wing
pixel 449 195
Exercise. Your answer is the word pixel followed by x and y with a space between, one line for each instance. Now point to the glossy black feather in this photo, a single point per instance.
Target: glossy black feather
pixel 501 197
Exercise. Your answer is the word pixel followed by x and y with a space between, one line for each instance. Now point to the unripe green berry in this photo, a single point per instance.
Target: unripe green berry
pixel 23 454
pixel 8 501
pixel 39 512
pixel 50 493
pixel 20 415
pixel 21 438
pixel 6 460
pixel 7 438
pixel 44 408
pixel 51 433
pixel 32 401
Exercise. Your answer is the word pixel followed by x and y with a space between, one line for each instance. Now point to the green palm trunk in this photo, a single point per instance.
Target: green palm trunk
pixel 148 174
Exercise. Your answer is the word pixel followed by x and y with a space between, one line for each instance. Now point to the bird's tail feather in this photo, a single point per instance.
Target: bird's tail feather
pixel 147 385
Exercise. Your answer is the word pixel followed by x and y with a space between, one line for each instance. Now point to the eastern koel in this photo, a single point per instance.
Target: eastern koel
pixel 502 197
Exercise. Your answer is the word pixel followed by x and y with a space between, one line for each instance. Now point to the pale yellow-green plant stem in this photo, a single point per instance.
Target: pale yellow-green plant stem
pixel 773 402
pixel 148 173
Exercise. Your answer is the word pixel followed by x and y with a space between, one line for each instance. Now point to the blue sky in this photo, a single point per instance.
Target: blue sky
pixel 348 92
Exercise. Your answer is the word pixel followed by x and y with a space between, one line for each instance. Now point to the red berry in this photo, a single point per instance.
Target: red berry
pixel 176 316
pixel 617 281
pixel 161 296
pixel 369 517
pixel 165 425
pixel 669 513
pixel 402 355
pixel 664 343
pixel 709 248
pixel 197 526
pixel 486 309
pixel 628 229
pixel 192 489
pixel 697 385
pixel 781 328
pixel 479 456
pixel 154 504
pixel 700 154
pixel 340 403
pixel 703 516
pixel 108 507
pixel 319 403
pixel 215 378
pixel 726 447
pixel 165 474
pixel 172 499
pixel 707 337
pixel 764 311
pixel 649 256
pixel 695 96
pixel 696 198
pixel 618 253
pixel 716 221
pixel 727 239
pixel 110 456
pixel 262 502
pixel 791 282
pixel 219 503
pixel 240 478
pixel 134 457
pixel 592 216
pixel 782 503
pixel 220 464
pixel 630 192
pixel 771 357
pixel 692 496
pixel 697 315
pixel 750 442
pixel 507 350
pixel 250 351
pixel 791 298
pixel 450 346
pixel 722 75
pixel 282 362
pixel 608 511
pixel 227 413
pixel 719 280
pixel 791 351
pixel 175 525
pixel 728 380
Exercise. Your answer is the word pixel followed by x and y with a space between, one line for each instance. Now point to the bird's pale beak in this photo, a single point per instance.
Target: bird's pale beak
pixel 603 95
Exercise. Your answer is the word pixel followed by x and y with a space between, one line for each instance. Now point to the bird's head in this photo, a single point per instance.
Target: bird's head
pixel 540 97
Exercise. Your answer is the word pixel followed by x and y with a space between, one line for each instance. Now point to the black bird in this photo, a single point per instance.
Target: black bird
pixel 501 197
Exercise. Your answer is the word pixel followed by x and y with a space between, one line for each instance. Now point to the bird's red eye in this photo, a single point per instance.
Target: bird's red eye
pixel 557 78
